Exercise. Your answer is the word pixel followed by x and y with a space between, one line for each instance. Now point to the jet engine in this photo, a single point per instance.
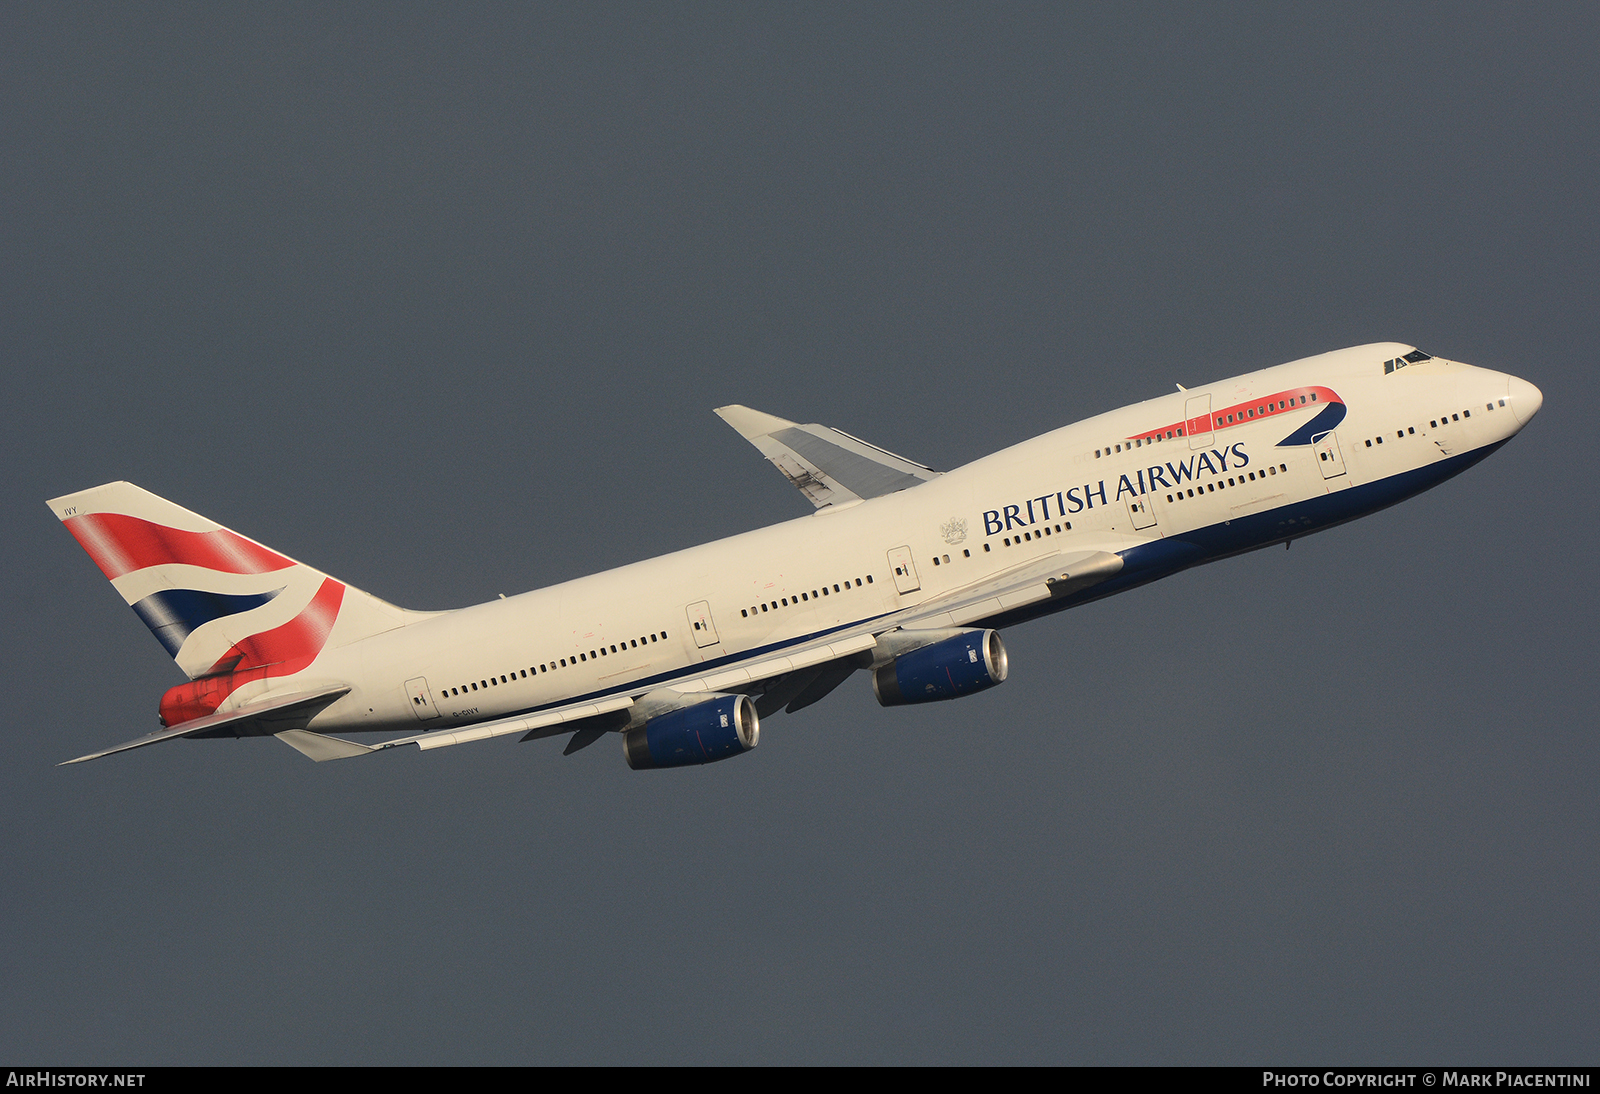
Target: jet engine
pixel 947 669
pixel 701 734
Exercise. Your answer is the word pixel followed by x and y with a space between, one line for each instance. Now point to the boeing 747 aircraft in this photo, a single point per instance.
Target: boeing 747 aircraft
pixel 902 571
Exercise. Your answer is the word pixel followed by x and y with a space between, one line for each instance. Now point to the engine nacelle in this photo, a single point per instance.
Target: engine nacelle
pixel 947 669
pixel 701 734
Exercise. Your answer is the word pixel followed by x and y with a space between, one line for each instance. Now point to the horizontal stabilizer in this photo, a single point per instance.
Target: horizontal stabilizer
pixel 828 466
pixel 272 716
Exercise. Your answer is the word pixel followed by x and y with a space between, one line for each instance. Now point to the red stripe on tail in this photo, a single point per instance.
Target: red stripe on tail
pixel 282 651
pixel 120 544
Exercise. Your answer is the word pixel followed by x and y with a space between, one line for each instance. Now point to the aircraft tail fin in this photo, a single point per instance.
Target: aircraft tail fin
pixel 218 602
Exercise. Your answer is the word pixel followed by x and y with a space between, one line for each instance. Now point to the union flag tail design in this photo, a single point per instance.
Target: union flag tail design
pixel 222 605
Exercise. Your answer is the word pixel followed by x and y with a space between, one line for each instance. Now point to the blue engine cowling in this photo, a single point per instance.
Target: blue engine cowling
pixel 701 734
pixel 949 669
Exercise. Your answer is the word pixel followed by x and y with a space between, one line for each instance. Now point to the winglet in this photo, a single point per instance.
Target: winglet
pixel 827 465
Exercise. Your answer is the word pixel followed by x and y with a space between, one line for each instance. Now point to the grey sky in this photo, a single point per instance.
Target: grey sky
pixel 439 299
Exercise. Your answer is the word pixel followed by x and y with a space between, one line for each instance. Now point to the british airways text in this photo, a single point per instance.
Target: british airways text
pixel 1076 499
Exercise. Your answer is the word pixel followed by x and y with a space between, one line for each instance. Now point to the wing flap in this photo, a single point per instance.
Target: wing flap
pixel 525 723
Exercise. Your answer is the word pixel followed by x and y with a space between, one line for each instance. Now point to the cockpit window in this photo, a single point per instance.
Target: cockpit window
pixel 1412 358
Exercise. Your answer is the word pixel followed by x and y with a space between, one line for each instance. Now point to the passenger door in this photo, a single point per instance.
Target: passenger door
pixel 421 700
pixel 1328 459
pixel 701 624
pixel 905 571
pixel 1140 513
pixel 1197 411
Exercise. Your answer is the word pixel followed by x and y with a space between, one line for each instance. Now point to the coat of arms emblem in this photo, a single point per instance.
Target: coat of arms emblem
pixel 954 530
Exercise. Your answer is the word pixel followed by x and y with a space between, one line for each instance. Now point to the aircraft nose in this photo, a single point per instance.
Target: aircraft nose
pixel 1525 399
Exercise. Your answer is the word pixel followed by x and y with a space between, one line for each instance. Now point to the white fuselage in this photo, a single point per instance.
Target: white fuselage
pixel 1106 483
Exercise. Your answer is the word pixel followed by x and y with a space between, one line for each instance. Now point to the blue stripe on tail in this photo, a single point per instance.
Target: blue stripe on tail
pixel 171 615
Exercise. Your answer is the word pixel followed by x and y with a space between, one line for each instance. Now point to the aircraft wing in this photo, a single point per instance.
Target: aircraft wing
pixel 827 465
pixel 691 688
pixel 793 679
pixel 275 715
